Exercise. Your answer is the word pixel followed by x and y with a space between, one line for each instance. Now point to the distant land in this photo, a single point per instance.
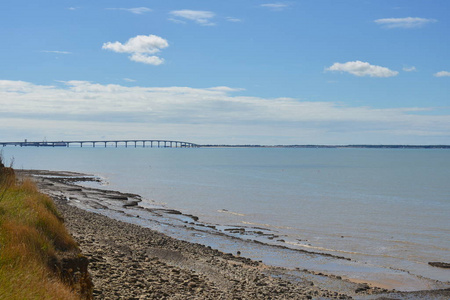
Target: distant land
pixel 180 144
pixel 334 146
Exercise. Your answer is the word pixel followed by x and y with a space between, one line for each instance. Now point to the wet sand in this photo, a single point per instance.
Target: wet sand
pixel 132 262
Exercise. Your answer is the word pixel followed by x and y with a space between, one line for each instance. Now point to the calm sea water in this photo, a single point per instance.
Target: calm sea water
pixel 386 207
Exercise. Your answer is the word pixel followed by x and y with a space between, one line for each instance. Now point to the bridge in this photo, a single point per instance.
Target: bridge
pixel 108 143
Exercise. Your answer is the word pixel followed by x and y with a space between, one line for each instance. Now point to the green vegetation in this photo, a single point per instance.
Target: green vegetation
pixel 32 239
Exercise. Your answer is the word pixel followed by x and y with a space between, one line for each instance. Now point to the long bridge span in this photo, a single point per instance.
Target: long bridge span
pixel 108 143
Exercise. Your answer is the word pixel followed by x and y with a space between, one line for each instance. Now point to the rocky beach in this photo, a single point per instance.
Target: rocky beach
pixel 127 261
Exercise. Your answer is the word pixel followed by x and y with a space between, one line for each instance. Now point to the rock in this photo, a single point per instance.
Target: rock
pixel 440 264
pixel 118 197
pixel 130 203
pixel 362 288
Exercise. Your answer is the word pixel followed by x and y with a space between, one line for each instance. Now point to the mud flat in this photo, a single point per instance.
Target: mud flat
pixel 132 261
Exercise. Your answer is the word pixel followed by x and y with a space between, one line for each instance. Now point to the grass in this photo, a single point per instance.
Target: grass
pixel 31 236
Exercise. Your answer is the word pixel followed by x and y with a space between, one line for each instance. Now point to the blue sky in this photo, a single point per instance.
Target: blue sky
pixel 237 72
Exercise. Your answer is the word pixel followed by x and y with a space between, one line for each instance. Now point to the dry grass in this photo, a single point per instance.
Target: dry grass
pixel 31 233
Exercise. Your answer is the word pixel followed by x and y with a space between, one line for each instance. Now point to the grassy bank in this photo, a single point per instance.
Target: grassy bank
pixel 35 247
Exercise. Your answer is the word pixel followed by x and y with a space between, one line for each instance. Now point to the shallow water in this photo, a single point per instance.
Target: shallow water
pixel 380 207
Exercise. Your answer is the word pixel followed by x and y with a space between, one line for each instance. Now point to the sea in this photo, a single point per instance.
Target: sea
pixel 386 210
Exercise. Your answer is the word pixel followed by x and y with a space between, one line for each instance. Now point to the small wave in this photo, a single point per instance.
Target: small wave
pixel 322 248
pixel 266 225
pixel 230 212
pixel 401 244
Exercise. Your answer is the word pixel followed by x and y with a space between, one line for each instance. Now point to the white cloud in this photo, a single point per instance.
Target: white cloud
pixel 404 22
pixel 140 47
pixel 177 21
pixel 225 89
pixel 134 10
pixel 442 74
pixel 275 6
pixel 146 59
pixel 235 20
pixel 198 16
pixel 56 51
pixel 409 69
pixel 138 44
pixel 129 80
pixel 83 109
pixel 360 68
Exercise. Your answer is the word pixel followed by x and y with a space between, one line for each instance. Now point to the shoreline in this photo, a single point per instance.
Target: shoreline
pixel 60 185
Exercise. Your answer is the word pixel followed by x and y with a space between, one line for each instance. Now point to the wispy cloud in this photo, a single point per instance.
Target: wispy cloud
pixel 140 47
pixel 360 68
pixel 81 107
pixel 56 52
pixel 232 19
pixel 178 21
pixel 275 6
pixel 134 10
pixel 129 80
pixel 200 17
pixel 404 22
pixel 409 69
pixel 225 89
pixel 442 74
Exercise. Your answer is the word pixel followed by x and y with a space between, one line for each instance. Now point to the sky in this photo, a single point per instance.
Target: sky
pixel 226 71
